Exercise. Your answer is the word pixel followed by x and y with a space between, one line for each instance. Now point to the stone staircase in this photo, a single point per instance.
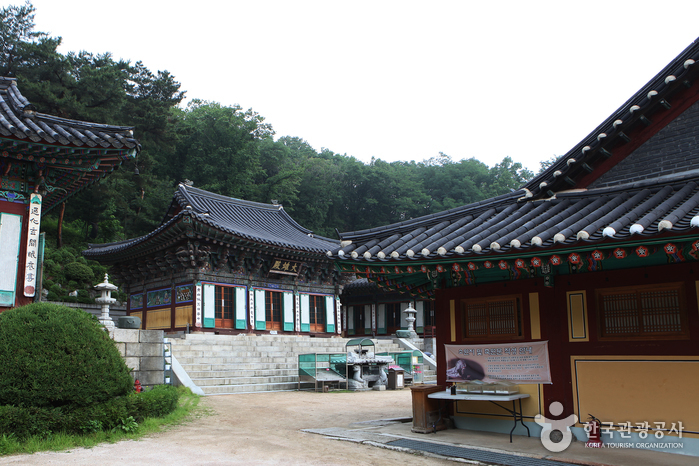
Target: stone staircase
pixel 223 364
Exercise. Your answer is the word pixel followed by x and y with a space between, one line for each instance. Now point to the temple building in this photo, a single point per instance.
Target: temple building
pixel 44 160
pixel 595 256
pixel 223 265
pixel 370 310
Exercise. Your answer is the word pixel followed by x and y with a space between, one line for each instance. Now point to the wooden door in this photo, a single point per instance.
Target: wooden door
pixel 225 307
pixel 317 313
pixel 359 320
pixel 393 317
pixel 273 310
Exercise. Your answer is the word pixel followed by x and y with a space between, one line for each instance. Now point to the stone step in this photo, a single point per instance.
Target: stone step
pixel 249 388
pixel 232 354
pixel 246 365
pixel 303 347
pixel 231 360
pixel 242 373
pixel 238 340
pixel 242 364
pixel 181 354
pixel 268 379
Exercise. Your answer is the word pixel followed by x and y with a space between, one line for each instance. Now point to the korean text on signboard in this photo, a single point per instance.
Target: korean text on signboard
pixel 31 264
pixel 522 363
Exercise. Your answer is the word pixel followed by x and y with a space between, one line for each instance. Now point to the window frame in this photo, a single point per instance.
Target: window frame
pixel 518 319
pixel 683 312
pixel 316 301
pixel 390 307
pixel 227 295
pixel 274 306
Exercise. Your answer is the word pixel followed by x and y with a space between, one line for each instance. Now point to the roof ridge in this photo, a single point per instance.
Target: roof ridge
pixel 202 192
pixel 614 124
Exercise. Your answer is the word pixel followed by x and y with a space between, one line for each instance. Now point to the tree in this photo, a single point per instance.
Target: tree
pixel 19 43
pixel 452 184
pixel 219 148
pixel 545 164
pixel 507 176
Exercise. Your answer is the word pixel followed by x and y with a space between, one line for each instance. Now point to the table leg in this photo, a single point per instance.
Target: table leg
pixel 447 403
pixel 521 418
pixel 516 416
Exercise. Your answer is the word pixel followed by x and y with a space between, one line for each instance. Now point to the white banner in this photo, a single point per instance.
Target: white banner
pixel 31 264
pixel 521 363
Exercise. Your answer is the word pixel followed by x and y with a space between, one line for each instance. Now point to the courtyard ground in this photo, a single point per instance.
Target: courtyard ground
pixel 257 429
pixel 302 428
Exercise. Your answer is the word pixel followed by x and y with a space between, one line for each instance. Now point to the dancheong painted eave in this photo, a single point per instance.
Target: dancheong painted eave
pixel 64 156
pixel 236 220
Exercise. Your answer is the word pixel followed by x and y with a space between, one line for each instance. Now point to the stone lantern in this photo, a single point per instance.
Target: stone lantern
pixel 410 311
pixel 105 300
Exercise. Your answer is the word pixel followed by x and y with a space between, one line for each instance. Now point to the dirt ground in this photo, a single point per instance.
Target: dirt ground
pixel 257 429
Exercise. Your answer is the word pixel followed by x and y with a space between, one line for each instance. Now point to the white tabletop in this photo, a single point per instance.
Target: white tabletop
pixel 474 397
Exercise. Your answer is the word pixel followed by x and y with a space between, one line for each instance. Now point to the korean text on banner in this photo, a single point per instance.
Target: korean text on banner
pixel 522 363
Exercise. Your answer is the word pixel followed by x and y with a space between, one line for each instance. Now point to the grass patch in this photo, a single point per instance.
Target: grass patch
pixel 186 411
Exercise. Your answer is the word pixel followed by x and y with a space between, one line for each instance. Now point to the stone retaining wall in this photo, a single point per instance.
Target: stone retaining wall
pixel 143 352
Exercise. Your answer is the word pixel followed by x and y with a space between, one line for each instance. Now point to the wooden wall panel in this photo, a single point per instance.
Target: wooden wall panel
pixel 183 316
pixel 158 319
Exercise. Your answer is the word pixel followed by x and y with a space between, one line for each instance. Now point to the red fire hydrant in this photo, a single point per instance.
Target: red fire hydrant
pixel 593 428
pixel 137 386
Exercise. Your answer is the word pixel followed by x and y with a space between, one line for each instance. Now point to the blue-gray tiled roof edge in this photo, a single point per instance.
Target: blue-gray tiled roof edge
pixel 249 221
pixel 642 210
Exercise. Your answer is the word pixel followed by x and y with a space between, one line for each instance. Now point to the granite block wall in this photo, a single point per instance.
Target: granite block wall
pixel 142 351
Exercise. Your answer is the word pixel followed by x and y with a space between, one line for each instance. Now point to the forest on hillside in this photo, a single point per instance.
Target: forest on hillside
pixel 222 148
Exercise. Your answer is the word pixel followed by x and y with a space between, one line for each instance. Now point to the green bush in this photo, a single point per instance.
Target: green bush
pixel 53 356
pixel 61 256
pixel 79 272
pixel 158 402
pixel 117 413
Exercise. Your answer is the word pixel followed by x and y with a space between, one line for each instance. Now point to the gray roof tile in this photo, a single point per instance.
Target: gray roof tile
pixel 254 222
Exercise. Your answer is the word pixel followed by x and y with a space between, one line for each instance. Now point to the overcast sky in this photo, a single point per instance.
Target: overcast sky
pixel 397 80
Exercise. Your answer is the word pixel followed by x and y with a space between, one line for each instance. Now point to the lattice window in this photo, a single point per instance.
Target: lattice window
pixel 273 306
pixel 225 302
pixel 655 311
pixel 317 309
pixel 492 318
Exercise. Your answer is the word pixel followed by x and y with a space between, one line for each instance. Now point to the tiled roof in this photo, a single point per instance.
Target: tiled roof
pixel 560 207
pixel 64 156
pixel 253 222
pixel 624 129
pixel 641 210
pixel 19 119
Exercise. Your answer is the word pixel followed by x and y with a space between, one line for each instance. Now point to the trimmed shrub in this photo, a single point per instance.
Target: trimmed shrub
pixel 23 421
pixel 53 356
pixel 79 272
pixel 158 402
